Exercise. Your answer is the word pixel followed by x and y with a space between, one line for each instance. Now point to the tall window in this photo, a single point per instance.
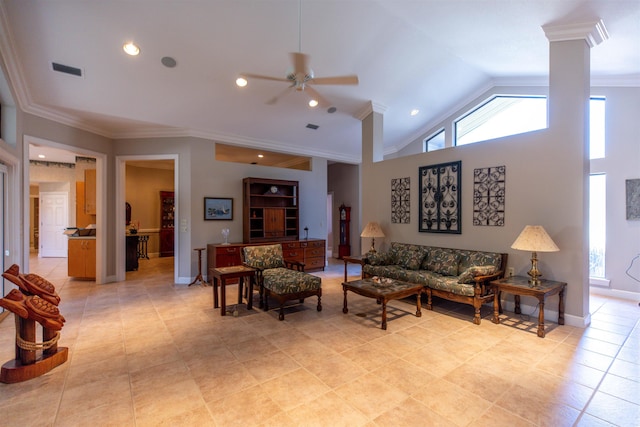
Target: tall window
pixel 597 224
pixel 434 142
pixel 502 116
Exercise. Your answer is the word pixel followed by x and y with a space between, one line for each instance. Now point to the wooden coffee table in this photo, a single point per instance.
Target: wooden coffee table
pixel 383 291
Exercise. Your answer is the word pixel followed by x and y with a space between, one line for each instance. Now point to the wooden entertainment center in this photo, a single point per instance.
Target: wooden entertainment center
pixel 270 215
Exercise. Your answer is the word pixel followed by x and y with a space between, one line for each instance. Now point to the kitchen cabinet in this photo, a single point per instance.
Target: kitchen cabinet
pixel 90 191
pixel 82 258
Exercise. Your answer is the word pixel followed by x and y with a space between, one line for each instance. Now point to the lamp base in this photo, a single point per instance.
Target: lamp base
pixel 534 273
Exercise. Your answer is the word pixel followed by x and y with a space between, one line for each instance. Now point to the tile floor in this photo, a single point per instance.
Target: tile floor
pixel 146 352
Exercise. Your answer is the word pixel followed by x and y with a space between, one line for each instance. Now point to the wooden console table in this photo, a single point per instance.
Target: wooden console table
pixel 519 285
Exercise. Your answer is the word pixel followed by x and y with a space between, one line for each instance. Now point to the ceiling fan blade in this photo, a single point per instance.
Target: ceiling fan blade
pixel 275 99
pixel 258 76
pixel 337 80
pixel 300 64
pixel 322 101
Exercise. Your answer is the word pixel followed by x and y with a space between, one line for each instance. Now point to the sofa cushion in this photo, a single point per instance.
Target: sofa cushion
pixel 472 258
pixel 472 272
pixel 391 271
pixel 450 284
pixel 407 255
pixel 264 256
pixel 282 281
pixel 379 258
pixel 443 261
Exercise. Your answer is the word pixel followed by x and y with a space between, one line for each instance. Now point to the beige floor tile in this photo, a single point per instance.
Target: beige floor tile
pixel 327 410
pixel 336 370
pixel 410 412
pixel 248 407
pixel 612 409
pixel 499 417
pixel 294 389
pixel 371 395
pixel 447 399
pixel 148 352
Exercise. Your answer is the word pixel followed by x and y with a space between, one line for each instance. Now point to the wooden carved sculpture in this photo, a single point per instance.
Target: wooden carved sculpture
pixel 35 301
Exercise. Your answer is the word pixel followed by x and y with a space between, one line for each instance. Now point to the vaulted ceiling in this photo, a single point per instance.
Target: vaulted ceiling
pixel 430 55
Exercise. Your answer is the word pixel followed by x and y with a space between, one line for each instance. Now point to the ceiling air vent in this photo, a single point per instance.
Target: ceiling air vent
pixel 312 126
pixel 67 69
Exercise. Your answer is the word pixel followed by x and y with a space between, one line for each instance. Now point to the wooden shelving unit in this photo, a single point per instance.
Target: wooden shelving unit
pixel 270 210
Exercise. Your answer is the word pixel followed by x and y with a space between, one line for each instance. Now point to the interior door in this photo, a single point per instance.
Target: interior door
pixel 54 217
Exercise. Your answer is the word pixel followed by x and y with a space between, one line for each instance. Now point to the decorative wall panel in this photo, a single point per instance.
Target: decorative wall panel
pixel 488 196
pixel 400 203
pixel 440 198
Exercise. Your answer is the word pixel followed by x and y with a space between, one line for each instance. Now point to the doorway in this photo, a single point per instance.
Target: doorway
pixel 54 218
pixel 139 183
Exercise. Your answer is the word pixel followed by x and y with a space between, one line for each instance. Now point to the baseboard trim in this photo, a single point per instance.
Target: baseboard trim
pixel 615 293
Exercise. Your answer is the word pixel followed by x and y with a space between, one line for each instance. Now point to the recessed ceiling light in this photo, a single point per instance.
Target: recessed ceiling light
pixel 168 62
pixel 414 112
pixel 241 82
pixel 313 103
pixel 261 155
pixel 131 49
pixel 41 156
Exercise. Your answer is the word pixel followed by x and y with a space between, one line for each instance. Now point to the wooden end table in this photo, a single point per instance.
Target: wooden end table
pixel 383 292
pixel 519 285
pixel 221 275
pixel 359 259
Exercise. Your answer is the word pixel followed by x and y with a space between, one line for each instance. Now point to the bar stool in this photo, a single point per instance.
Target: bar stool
pixel 199 276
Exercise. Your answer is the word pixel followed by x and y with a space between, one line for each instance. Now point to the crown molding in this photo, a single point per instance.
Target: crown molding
pixel 370 107
pixel 594 33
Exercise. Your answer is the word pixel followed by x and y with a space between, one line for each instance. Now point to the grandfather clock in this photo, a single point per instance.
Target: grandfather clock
pixel 344 249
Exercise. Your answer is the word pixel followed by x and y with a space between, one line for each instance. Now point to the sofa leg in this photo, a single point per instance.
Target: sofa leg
pixel 476 316
pixel 319 303
pixel 429 305
pixel 281 314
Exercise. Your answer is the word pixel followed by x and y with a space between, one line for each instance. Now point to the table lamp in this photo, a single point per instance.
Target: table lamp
pixel 373 230
pixel 534 238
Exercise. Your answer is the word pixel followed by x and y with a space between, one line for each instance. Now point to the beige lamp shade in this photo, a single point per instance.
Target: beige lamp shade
pixel 373 230
pixel 534 238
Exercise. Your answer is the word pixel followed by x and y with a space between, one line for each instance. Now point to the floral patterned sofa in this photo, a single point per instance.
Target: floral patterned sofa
pixel 281 279
pixel 459 275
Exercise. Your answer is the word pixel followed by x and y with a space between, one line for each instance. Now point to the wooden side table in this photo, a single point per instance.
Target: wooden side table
pixel 519 285
pixel 221 275
pixel 359 259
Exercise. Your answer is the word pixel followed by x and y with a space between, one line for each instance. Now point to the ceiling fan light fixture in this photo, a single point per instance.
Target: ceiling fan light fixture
pixel 131 48
pixel 414 112
pixel 241 82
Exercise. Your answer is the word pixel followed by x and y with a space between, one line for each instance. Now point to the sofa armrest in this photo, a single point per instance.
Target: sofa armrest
pixel 482 282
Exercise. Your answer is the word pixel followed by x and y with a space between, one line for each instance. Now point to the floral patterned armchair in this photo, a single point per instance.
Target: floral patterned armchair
pixel 279 278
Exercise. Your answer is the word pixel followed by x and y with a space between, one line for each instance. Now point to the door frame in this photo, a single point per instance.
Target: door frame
pixel 101 202
pixel 121 170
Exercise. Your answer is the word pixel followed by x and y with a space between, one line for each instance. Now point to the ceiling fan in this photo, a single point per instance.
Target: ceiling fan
pixel 302 78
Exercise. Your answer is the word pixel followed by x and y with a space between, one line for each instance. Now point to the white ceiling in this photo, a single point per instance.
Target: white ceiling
pixel 432 55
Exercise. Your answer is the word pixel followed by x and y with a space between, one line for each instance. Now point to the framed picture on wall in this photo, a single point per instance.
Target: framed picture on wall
pixel 218 208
